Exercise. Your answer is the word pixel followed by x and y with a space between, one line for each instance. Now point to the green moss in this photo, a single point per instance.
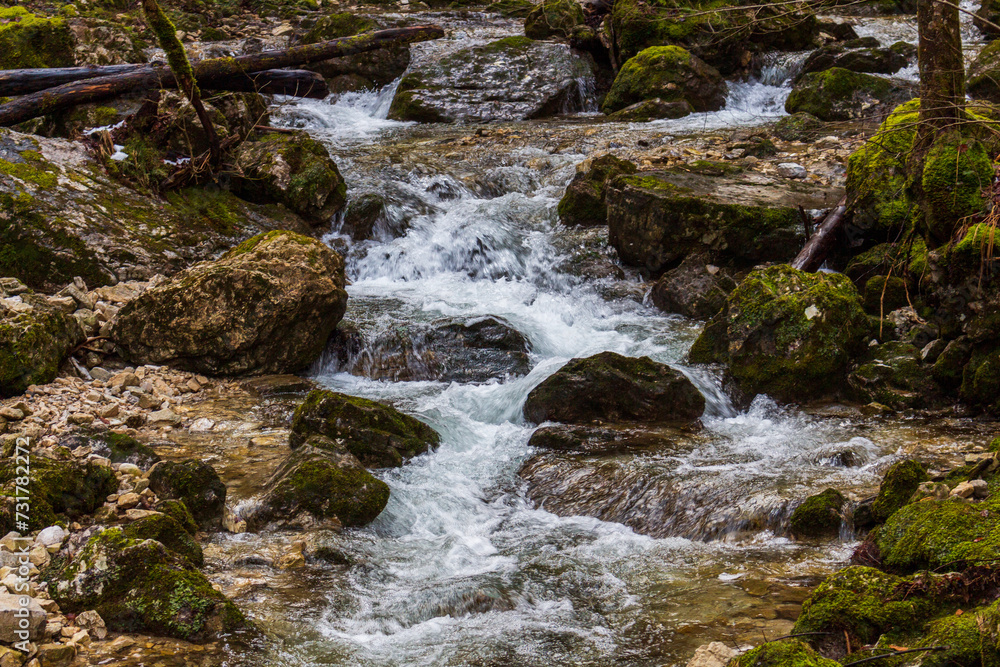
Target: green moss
pixel 64 488
pixel 785 653
pixel 168 532
pixel 834 94
pixel 195 483
pixel 981 378
pixel 327 490
pixel 378 435
pixel 818 515
pixel 32 345
pixel 863 602
pixel 583 203
pixel 898 485
pixel 969 639
pixel 553 18
pixel 970 254
pixel 956 171
pixel 27 40
pixel 333 26
pixel 669 73
pixel 166 35
pixel 178 511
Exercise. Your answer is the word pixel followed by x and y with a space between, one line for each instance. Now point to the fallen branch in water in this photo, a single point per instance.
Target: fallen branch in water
pixel 814 253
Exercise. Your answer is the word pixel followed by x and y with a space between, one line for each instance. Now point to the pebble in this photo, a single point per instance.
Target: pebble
pixel 976 488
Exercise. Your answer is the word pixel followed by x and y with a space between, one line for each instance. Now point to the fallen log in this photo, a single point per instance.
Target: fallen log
pixel 814 252
pixel 291 82
pixel 26 81
pixel 213 73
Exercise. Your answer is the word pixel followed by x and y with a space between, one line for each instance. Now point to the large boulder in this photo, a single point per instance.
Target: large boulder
pixel 613 388
pixel 669 73
pixel 267 306
pixel 584 200
pixel 514 78
pixel 27 40
pixel 840 94
pixel 656 219
pixel 65 489
pixel 34 339
pixel 138 585
pixel 787 333
pixel 196 484
pixel 872 60
pixel 378 435
pixel 319 485
pixel 372 69
pixel 294 170
pixel 697 288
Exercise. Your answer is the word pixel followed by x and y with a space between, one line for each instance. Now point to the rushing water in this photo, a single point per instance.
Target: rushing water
pixel 460 568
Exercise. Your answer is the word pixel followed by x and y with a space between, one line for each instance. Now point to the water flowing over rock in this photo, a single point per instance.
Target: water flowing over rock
pixel 611 387
pixel 514 78
pixel 267 306
pixel 787 333
pixel 378 435
pixel 35 336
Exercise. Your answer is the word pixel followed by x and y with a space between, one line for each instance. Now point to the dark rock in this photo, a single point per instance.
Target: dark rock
pixel 695 289
pixel 584 200
pixel 57 488
pixel 373 216
pixel 554 19
pixel 893 376
pixel 34 339
pixel 819 516
pixel 871 60
pixel 799 127
pixel 602 441
pixel 196 484
pixel 168 532
pixel 372 69
pixel 840 94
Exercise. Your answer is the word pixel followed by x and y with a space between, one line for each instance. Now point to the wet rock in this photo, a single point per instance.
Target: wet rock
pixel 373 216
pixel 600 440
pixel 294 170
pixel 30 40
pixel 267 306
pixel 787 333
pixel 139 585
pixel 899 484
pixel 611 387
pixel 656 219
pixel 653 109
pixel 696 289
pixel 669 73
pixel 840 94
pixel 514 78
pixel 870 60
pixel 169 533
pixel 318 485
pixel 819 516
pixel 476 350
pixel 512 8
pixel 378 435
pixel 196 484
pixel 44 227
pixel 34 339
pixel 276 385
pixel 179 512
pixel 369 70
pixel 584 200
pixel 894 376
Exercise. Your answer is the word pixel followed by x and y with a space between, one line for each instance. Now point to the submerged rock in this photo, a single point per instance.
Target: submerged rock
pixel 615 388
pixel 320 482
pixel 138 585
pixel 840 94
pixel 378 435
pixel 267 306
pixel 787 333
pixel 584 200
pixel 514 78
pixel 35 337
pixel 196 484
pixel 669 73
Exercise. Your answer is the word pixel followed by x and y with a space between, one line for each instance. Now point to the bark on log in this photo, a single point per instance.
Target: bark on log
pixel 814 252
pixel 213 73
pixel 291 82
pixel 26 81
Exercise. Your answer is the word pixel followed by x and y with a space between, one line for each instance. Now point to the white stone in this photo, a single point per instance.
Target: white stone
pixel 92 621
pixel 51 535
pixel 791 170
pixel 715 654
pixel 202 425
pixel 812 311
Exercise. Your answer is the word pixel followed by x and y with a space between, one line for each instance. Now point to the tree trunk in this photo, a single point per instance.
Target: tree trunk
pixel 210 74
pixel 942 74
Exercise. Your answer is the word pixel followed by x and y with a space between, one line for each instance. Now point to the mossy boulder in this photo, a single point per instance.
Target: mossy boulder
pixel 784 653
pixel 840 94
pixel 378 435
pixel 27 40
pixel 899 484
pixel 610 387
pixel 554 19
pixel 196 484
pixel 34 339
pixel 141 586
pixel 799 126
pixel 371 69
pixel 819 516
pixel 947 534
pixel 884 294
pixel 983 78
pixel 65 488
pixel 168 532
pixel 178 511
pixel 969 639
pixel 321 481
pixel 514 78
pixel 787 333
pixel 267 306
pixel 894 376
pixel 668 73
pixel 864 603
pixel 872 60
pixel 957 170
pixel 293 170
pixel 583 202
pixel 654 109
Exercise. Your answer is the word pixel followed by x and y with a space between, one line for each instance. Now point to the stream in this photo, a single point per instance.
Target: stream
pixel 461 569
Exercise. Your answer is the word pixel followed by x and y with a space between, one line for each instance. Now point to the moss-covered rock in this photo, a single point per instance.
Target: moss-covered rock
pixel 957 169
pixel 610 387
pixel 787 333
pixel 874 60
pixel 196 484
pixel 983 79
pixel 378 435
pixel 884 294
pixel 669 73
pixel 553 19
pixel 583 203
pixel 799 127
pixel 65 488
pixel 320 481
pixel 140 586
pixel 34 339
pixel 908 259
pixel 27 40
pixel 970 639
pixel 784 653
pixel 267 306
pixel 898 484
pixel 840 94
pixel 819 516
pixel 178 511
pixel 294 170
pixel 654 109
pixel 168 532
pixel 894 376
